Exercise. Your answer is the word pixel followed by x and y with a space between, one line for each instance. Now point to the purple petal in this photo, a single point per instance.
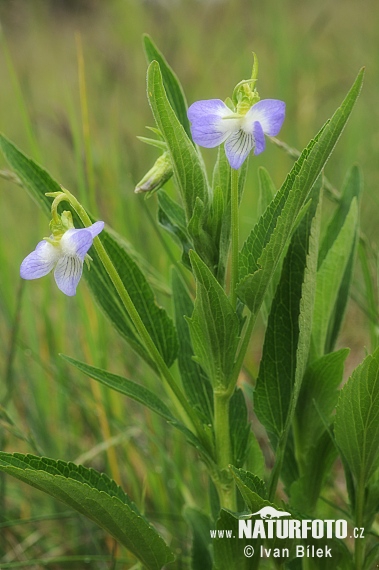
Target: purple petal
pixel 67 274
pixel 40 262
pixel 259 138
pixel 208 127
pixel 76 242
pixel 96 228
pixel 237 148
pixel 270 113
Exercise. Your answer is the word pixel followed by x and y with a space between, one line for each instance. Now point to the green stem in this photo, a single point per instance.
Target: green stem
pixel 242 353
pixel 226 487
pixel 359 554
pixel 139 325
pixel 234 236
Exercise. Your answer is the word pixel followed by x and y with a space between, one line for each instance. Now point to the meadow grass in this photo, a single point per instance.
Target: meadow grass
pixel 72 96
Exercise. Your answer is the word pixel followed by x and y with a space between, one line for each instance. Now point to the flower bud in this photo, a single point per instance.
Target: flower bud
pixel 157 176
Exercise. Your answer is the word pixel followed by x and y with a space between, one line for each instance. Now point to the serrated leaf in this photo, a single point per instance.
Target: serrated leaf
pixel 252 488
pixel 329 278
pixel 174 90
pixel 195 382
pixel 214 325
pixel 97 497
pixel 263 248
pixel 188 169
pixel 357 419
pixel 37 182
pixel 288 330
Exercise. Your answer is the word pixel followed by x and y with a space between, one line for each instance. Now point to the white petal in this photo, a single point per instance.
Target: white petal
pixel 67 274
pixel 237 148
pixel 40 262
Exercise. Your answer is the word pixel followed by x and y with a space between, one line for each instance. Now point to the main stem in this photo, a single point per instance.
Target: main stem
pixel 234 236
pixel 225 487
pixel 138 323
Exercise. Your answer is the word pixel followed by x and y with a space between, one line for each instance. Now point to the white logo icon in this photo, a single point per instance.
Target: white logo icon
pixel 270 513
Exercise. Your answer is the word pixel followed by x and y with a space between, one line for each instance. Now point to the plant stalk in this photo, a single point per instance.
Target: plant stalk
pixel 234 236
pixel 226 486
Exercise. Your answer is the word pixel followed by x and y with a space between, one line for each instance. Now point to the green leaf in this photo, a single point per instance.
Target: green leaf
pixel 174 90
pixel 253 489
pixel 188 169
pixel 318 398
pixel 195 382
pixel 329 278
pixel 172 218
pixel 214 326
pixel 140 394
pixel 229 552
pixel 97 497
pixel 317 463
pixel 200 524
pixel 267 190
pixel 285 349
pixel 263 249
pixel 239 427
pixel 124 386
pixel 37 182
pixel 357 419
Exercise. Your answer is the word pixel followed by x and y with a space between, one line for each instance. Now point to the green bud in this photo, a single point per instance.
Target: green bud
pixel 157 176
pixel 245 94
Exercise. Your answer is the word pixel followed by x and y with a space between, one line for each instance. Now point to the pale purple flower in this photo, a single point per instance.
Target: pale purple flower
pixel 65 256
pixel 213 123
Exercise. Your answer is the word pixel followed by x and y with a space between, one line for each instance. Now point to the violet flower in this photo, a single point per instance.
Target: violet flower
pixel 64 254
pixel 213 123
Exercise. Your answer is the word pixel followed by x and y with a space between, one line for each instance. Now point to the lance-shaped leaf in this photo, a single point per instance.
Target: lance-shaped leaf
pixel 357 420
pixel 240 429
pixel 287 338
pixel 229 552
pixel 187 166
pixel 174 90
pixel 37 182
pixel 194 380
pixel 201 525
pixel 140 394
pixel 214 325
pixel 318 398
pixel 329 278
pixel 263 249
pixel 352 188
pixel 97 497
pixel 172 218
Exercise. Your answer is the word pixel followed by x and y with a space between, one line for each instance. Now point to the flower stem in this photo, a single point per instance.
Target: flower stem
pixel 234 236
pixel 164 371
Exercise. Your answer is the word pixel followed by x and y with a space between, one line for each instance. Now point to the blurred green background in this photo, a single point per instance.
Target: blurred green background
pixel 72 96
